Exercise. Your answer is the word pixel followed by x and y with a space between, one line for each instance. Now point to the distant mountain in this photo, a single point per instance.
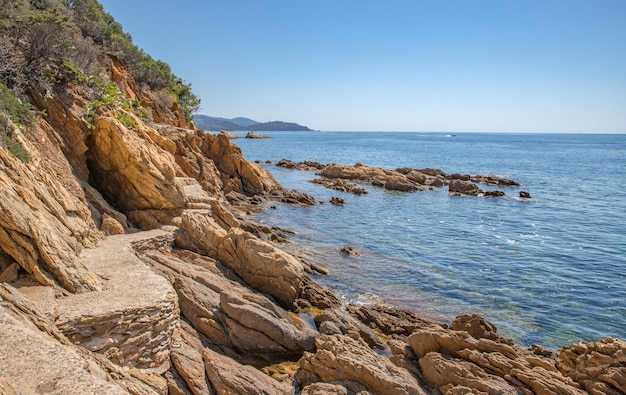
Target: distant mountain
pixel 244 121
pixel 278 126
pixel 205 122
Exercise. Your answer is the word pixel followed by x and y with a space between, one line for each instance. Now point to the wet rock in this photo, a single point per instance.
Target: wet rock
pixel 230 377
pixel 306 165
pixel 460 187
pixel 337 321
pixel 340 185
pixel 252 135
pixel 494 193
pixel 342 359
pixel 492 179
pixel 347 250
pixel 478 327
pixel 337 201
pixel 524 195
pixel 295 197
pixel 388 179
pixel 317 295
pixel 390 321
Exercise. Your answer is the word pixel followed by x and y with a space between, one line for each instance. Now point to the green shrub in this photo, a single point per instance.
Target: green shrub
pixel 17 110
pixel 126 119
pixel 7 141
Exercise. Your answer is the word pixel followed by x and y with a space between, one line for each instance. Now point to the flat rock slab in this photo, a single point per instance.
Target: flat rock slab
pixel 131 322
pixel 33 363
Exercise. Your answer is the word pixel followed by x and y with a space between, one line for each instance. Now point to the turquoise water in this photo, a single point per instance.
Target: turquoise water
pixel 551 270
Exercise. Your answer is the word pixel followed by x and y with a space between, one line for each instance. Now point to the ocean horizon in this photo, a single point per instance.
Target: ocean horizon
pixel 550 270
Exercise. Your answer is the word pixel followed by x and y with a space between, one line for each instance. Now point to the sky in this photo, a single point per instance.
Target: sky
pixel 396 65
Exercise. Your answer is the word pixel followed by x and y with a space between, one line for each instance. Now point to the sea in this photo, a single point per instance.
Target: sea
pixel 550 270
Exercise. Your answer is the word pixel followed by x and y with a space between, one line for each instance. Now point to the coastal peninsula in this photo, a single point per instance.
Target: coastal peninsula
pixel 129 263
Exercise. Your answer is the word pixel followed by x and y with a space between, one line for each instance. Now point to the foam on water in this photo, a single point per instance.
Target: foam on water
pixel 551 270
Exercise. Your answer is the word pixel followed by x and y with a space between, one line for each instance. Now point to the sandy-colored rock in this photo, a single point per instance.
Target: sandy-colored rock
pixel 35 228
pixel 31 362
pixel 455 358
pixel 227 312
pixel 10 273
pixel 252 135
pixel 342 359
pixel 238 174
pixel 258 263
pixel 440 371
pixel 267 331
pixel 230 377
pixel 324 389
pixel 600 367
pixel 478 327
pixel 338 321
pixel 131 322
pixel 131 172
pixel 35 357
pixel 111 226
pixel 187 358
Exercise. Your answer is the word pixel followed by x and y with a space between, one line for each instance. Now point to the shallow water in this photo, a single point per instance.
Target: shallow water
pixel 551 270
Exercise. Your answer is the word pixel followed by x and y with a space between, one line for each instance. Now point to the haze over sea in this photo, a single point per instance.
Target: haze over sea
pixel 550 270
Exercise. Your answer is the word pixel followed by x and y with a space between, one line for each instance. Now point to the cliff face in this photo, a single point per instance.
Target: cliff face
pixel 54 205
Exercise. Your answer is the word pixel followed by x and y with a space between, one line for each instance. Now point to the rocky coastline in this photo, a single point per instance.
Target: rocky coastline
pixel 129 265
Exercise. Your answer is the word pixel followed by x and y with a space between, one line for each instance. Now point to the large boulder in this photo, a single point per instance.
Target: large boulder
pixel 342 359
pixel 228 313
pixel 461 187
pixel 258 263
pixel 230 377
pixel 238 174
pixel 132 168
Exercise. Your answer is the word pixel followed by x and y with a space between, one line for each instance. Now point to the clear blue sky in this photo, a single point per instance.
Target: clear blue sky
pixel 456 65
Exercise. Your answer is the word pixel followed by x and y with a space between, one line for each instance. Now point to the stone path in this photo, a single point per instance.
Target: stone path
pixel 131 321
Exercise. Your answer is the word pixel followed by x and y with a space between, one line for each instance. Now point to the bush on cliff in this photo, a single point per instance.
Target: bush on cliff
pixel 45 43
pixel 20 114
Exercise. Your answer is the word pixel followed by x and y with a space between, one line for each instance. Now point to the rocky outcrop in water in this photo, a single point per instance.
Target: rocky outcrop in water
pixel 405 179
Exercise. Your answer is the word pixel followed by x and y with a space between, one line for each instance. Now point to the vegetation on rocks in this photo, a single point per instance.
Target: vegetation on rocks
pixel 47 43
